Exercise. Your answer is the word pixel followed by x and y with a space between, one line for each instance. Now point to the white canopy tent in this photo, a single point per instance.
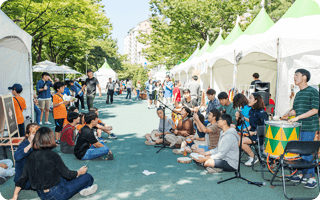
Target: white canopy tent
pixel 16 60
pixel 103 75
pixel 292 43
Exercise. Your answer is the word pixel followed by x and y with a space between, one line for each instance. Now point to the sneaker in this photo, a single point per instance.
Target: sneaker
pixel 249 162
pixel 2 180
pixel 149 107
pixel 89 190
pixel 47 123
pixel 40 124
pixel 297 179
pixel 112 136
pixel 177 151
pixel 102 139
pixel 58 142
pixel 213 170
pixel 312 183
pixel 150 143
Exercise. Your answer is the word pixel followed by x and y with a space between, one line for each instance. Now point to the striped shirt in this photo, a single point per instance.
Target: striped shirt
pixel 306 100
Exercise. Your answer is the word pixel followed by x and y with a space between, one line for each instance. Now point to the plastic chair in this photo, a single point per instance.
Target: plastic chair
pixel 298 147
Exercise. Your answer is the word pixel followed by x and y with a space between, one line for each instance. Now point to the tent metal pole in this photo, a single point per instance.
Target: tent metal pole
pixel 179 76
pixel 278 76
pixel 211 78
pixel 235 70
pixel 31 86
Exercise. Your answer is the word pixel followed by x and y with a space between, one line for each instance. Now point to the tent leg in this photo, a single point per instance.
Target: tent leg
pixel 278 76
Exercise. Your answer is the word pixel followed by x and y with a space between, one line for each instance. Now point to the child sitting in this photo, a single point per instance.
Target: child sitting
pixel 68 136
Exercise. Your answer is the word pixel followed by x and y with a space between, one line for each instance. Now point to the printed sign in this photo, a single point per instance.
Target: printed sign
pixel 7 114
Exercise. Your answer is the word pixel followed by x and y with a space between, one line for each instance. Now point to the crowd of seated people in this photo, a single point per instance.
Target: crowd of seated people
pixel 215 132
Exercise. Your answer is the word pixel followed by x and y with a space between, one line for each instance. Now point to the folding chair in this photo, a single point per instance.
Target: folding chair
pixel 298 147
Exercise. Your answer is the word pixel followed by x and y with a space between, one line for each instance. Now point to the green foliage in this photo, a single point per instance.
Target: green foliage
pixel 178 25
pixel 275 9
pixel 134 72
pixel 66 30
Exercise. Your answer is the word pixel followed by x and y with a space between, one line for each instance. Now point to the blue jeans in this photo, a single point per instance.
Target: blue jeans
pixel 38 113
pixel 307 136
pixel 138 94
pixel 94 152
pixel 128 93
pixel 21 130
pixel 67 189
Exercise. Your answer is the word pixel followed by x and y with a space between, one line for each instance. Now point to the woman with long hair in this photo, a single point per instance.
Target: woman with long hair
pixel 241 102
pixel 48 174
pixel 257 117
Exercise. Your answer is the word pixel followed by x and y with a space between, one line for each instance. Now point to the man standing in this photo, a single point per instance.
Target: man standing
pixel 44 96
pixel 91 83
pixel 76 88
pixel 305 109
pixel 255 79
pixel 194 87
pixel 168 87
pixel 110 87
pixel 213 101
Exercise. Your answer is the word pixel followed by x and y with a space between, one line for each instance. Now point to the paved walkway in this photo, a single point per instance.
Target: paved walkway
pixel 123 178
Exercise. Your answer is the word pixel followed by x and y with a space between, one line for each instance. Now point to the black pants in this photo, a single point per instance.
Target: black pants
pixel 90 101
pixel 80 99
pixel 110 94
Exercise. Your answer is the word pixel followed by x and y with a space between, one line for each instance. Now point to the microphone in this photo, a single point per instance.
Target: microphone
pixel 257 183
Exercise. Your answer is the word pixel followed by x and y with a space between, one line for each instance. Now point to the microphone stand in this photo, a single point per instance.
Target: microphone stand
pixel 164 115
pixel 237 173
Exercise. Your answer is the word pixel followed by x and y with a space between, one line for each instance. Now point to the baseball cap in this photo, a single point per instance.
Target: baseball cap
pixel 17 87
pixel 89 70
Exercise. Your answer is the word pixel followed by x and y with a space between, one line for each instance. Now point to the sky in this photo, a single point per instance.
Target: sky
pixel 124 15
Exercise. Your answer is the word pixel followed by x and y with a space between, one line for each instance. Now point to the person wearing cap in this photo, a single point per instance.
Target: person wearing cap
pixel 19 106
pixel 44 96
pixel 76 88
pixel 194 87
pixel 91 84
pixel 110 87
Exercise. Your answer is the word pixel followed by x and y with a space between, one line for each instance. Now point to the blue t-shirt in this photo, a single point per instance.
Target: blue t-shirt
pixel 66 91
pixel 76 88
pixel 45 94
pixel 257 118
pixel 245 112
pixel 168 89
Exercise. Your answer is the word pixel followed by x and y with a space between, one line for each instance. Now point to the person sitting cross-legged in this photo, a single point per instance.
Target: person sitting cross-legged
pixel 168 123
pixel 47 173
pixel 6 170
pixel 184 129
pixel 225 157
pixel 87 146
pixel 68 136
pixel 102 127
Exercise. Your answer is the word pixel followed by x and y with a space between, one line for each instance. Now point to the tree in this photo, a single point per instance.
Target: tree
pixel 179 25
pixel 134 72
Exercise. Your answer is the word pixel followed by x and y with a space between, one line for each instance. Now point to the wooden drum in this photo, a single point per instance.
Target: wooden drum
pixel 278 134
pixel 184 160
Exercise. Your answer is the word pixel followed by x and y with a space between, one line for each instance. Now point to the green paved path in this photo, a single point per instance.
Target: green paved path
pixel 123 178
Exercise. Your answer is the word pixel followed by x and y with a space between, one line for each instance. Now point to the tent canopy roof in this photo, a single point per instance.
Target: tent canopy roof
pixel 205 47
pixel 302 8
pixel 234 34
pixel 216 43
pixel 105 66
pixel 260 24
pixel 194 53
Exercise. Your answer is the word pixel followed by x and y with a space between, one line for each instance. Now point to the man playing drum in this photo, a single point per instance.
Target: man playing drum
pixel 305 109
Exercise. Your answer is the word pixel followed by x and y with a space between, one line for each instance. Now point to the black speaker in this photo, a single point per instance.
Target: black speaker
pixel 263 88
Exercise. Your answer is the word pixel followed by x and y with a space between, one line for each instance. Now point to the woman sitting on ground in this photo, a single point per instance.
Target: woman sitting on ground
pixel 257 117
pixel 184 129
pixel 68 135
pixel 168 124
pixel 48 174
pixel 189 145
pixel 226 156
pixel 24 149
